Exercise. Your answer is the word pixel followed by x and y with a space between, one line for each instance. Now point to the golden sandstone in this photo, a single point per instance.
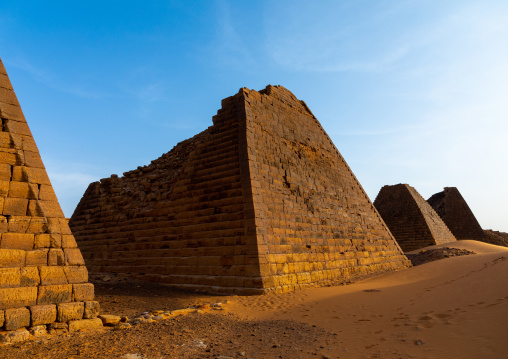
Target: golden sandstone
pixel 42 274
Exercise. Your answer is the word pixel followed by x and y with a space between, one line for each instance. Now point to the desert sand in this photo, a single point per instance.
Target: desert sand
pixel 451 308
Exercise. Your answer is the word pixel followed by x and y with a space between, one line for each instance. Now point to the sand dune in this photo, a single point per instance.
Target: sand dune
pixel 451 308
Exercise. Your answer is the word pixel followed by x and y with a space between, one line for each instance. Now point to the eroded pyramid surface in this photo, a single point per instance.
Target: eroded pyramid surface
pixel 412 221
pixel 260 201
pixel 43 278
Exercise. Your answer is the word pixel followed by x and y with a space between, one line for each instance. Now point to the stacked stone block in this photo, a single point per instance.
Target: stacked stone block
pixel 454 211
pixel 43 278
pixel 412 221
pixel 260 201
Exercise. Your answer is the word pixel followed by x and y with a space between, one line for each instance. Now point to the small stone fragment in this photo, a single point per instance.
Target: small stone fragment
pixel 110 320
pixel 91 310
pixel 14 336
pixel 38 330
pixel 123 325
pixel 84 324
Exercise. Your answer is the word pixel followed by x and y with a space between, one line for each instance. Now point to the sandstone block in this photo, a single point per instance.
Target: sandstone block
pixel 14 336
pixel 5 172
pixel 5 139
pixel 7 156
pixel 22 241
pixel 10 277
pixel 37 225
pixel 18 189
pixel 83 292
pixel 37 257
pixel 19 174
pixel 43 314
pixel 59 326
pixel 76 274
pixel 52 275
pixel 110 320
pixel 2 318
pixel 15 206
pixel 70 311
pixel 84 324
pixel 64 224
pixel 16 318
pixel 17 297
pixel 37 175
pixel 91 310
pixel 46 193
pixel 17 127
pixel 33 159
pixel 73 256
pixel 42 241
pixel 4 188
pixel 54 225
pixel 56 257
pixel 38 331
pixel 68 241
pixel 45 209
pixel 18 224
pixel 50 294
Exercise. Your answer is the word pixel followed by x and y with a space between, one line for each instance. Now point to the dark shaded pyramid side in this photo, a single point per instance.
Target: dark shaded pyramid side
pixel 454 211
pixel 412 221
pixel 42 274
pixel 260 201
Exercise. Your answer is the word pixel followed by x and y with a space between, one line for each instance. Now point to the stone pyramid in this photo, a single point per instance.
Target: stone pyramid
pixel 42 274
pixel 412 221
pixel 454 211
pixel 260 201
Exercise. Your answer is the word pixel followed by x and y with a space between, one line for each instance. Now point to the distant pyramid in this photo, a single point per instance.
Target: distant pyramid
pixel 412 221
pixel 260 201
pixel 454 211
pixel 42 274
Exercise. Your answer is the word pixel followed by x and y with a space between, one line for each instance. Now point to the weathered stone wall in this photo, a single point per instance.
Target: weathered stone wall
pixel 454 211
pixel 42 274
pixel 260 201
pixel 412 221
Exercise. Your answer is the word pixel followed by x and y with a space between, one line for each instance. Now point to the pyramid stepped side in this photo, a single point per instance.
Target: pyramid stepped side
pixel 454 211
pixel 42 274
pixel 315 223
pixel 185 220
pixel 412 221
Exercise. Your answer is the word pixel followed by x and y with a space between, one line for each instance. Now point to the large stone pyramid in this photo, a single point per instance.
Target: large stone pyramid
pixel 454 211
pixel 260 201
pixel 42 274
pixel 412 221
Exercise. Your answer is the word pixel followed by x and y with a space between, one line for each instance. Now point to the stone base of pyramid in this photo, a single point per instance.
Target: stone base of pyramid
pixel 38 320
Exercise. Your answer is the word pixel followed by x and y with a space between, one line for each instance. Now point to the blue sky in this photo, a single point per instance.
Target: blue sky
pixel 409 91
